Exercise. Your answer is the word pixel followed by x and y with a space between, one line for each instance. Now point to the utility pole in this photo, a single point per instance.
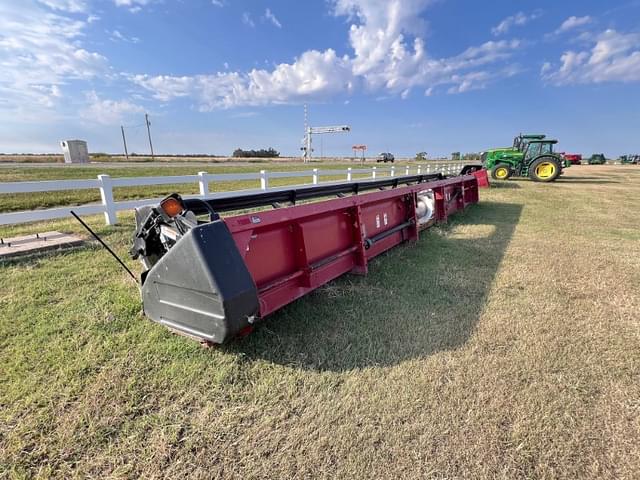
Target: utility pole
pixel 124 140
pixel 307 138
pixel 146 120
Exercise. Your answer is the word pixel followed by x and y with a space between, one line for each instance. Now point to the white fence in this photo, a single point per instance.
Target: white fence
pixel 109 207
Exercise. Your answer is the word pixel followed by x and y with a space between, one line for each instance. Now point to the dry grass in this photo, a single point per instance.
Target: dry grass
pixel 505 345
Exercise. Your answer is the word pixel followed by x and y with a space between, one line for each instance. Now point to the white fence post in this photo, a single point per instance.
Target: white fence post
pixel 407 171
pixel 264 180
pixel 373 172
pixel 349 174
pixel 315 176
pixel 419 169
pixel 106 193
pixel 204 184
pixel 393 171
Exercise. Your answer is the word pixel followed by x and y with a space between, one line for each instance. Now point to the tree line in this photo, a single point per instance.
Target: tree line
pixel 262 153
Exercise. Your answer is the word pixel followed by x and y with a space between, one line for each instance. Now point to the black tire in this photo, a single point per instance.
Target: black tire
pixel 496 171
pixel 536 174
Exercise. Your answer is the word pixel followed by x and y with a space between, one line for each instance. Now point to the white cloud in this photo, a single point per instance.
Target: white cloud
pixel 39 52
pixel 247 20
pixel 42 55
pixel 378 36
pixel 312 76
pixel 573 22
pixel 71 6
pixel 480 79
pixel 519 19
pixel 217 3
pixel 268 15
pixel 389 54
pixel 131 3
pixel 134 6
pixel 108 112
pixel 117 36
pixel 615 57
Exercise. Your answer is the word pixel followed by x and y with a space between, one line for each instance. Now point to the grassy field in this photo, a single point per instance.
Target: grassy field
pixel 506 344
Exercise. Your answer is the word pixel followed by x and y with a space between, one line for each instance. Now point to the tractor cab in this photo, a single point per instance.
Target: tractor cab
pixel 535 148
pixel 521 141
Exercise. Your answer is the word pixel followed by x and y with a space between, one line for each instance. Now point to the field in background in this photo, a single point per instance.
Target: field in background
pixel 505 344
pixel 178 159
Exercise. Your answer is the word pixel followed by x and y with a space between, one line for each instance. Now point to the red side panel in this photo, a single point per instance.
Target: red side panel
pixel 291 251
pixel 482 177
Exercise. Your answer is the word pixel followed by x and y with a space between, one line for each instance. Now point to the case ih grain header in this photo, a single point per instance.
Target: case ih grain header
pixel 212 278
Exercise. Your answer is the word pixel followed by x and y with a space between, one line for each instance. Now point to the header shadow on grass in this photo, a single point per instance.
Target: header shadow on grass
pixel 416 300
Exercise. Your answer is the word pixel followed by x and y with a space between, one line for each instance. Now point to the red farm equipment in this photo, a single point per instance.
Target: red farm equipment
pixel 572 158
pixel 213 278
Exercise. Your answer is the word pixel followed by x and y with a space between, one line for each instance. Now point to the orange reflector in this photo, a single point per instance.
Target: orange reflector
pixel 171 206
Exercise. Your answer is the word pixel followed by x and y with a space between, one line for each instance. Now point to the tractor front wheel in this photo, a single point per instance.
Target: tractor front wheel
pixel 545 169
pixel 501 171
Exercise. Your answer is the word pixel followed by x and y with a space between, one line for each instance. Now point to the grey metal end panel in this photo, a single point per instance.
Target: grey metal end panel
pixel 202 287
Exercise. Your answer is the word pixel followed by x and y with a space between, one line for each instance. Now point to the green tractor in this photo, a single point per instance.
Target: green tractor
pixel 629 159
pixel 531 156
pixel 597 159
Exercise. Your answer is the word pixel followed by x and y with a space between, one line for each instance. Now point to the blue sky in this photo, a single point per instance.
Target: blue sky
pixel 407 75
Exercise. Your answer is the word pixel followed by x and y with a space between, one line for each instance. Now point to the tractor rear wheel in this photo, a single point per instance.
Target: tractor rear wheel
pixel 545 169
pixel 501 171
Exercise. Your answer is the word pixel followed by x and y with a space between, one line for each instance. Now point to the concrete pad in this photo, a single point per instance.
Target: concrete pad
pixel 37 243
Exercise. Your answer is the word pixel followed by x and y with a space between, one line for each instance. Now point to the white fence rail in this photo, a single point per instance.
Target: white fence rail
pixel 109 207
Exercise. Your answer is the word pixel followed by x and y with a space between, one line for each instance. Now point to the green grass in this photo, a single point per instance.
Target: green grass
pixel 503 345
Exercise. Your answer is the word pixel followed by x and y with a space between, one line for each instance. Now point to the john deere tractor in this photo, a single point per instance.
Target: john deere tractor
pixel 629 159
pixel 531 156
pixel 597 159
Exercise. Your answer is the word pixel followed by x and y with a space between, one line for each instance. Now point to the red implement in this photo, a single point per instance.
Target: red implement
pixel 212 280
pixel 291 251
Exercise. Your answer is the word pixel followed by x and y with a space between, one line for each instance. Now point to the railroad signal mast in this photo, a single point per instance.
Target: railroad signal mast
pixel 310 131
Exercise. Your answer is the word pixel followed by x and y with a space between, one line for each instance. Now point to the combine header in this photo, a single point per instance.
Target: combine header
pixel 213 278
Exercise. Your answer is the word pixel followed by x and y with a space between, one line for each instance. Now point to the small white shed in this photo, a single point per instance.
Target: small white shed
pixel 75 151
